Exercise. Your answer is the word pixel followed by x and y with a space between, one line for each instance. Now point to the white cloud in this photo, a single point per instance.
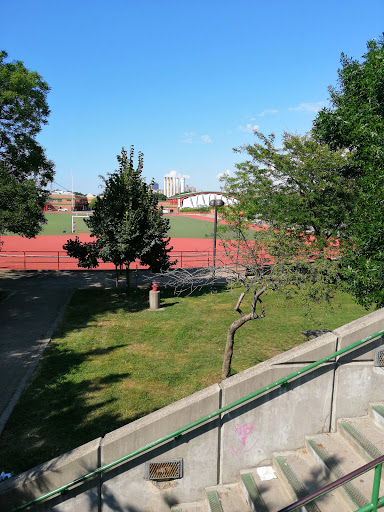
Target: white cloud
pixel 310 107
pixel 206 139
pixel 193 138
pixel 249 128
pixel 188 137
pixel 175 174
pixel 267 112
pixel 223 174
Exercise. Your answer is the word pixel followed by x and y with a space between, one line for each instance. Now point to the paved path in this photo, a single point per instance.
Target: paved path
pixel 27 320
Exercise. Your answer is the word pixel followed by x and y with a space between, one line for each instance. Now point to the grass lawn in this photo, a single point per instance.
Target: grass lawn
pixel 181 227
pixel 59 223
pixel 112 361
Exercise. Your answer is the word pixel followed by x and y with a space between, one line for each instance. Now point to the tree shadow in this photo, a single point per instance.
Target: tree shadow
pixel 60 408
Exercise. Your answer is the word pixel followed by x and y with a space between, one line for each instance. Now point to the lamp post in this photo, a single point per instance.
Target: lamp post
pixel 216 203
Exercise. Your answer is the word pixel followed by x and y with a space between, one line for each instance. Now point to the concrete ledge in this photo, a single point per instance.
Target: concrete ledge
pixel 356 386
pixel 125 488
pixel 310 351
pixel 53 474
pixel 357 330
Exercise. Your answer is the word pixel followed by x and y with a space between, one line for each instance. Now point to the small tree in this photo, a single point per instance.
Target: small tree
pixel 126 222
pixel 273 260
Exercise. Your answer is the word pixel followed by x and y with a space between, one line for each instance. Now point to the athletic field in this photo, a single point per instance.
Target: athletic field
pixel 59 223
pixel 191 239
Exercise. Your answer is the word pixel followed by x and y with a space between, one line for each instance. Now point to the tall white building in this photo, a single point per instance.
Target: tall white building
pixel 173 185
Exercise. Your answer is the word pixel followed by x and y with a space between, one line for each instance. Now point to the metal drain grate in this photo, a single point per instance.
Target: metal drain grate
pixel 164 469
pixel 379 357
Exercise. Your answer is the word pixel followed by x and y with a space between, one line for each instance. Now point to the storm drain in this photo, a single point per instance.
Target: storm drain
pixel 164 469
pixel 379 357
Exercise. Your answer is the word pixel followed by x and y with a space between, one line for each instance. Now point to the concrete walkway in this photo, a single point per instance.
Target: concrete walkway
pixel 28 317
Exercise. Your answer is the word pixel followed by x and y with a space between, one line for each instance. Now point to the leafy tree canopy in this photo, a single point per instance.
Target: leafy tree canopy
pixel 355 122
pixel 298 187
pixel 126 222
pixel 24 168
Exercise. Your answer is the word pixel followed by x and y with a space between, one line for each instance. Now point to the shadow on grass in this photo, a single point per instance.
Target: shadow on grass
pixel 58 410
pixel 87 306
pixel 64 404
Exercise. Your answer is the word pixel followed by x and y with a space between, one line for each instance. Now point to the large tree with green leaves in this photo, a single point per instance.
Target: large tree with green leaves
pixel 24 167
pixel 126 222
pixel 298 186
pixel 354 122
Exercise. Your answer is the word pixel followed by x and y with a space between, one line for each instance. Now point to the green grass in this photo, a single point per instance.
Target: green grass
pixel 112 361
pixel 59 223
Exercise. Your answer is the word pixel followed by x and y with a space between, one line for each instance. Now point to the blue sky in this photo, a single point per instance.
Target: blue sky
pixel 184 81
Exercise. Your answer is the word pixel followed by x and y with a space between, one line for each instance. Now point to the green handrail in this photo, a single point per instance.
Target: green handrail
pixel 373 505
pixel 177 433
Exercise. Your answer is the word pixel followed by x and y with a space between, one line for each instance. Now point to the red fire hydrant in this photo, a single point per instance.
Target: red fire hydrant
pixel 154 286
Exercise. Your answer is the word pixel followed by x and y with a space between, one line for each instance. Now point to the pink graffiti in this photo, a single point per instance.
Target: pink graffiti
pixel 246 434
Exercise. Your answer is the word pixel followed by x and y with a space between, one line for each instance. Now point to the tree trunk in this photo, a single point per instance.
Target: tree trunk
pixel 228 352
pixel 117 276
pixel 127 278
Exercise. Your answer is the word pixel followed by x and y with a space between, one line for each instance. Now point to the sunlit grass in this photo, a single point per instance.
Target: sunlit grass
pixel 112 360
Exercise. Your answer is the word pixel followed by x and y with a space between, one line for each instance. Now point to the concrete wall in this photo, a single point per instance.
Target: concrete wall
pixel 217 450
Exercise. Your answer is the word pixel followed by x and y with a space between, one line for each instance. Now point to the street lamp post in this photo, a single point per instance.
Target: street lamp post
pixel 216 203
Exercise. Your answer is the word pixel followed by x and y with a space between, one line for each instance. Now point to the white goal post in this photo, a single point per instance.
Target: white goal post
pixel 74 217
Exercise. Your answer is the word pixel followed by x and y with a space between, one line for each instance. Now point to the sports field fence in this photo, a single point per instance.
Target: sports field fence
pixel 59 260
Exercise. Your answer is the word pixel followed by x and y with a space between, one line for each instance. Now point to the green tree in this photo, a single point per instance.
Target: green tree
pixel 298 187
pixel 295 193
pixel 126 222
pixel 355 122
pixel 24 167
pixel 160 197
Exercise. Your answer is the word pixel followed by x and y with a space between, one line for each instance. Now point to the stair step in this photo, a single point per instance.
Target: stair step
pixel 273 491
pixel 190 507
pixel 365 436
pixel 296 487
pixel 227 498
pixel 303 476
pixel 252 493
pixel 337 459
pixel 214 503
pixel 377 414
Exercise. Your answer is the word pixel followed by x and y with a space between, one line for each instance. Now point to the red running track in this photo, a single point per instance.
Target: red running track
pixel 45 252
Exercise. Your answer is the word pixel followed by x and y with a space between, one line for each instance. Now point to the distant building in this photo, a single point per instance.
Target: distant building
pixel 64 201
pixel 174 185
pixel 155 187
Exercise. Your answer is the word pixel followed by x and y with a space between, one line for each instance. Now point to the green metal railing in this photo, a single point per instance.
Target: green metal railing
pixel 177 433
pixel 375 502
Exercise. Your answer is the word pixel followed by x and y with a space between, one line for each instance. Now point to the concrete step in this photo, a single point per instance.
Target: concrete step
pixel 302 476
pixel 366 437
pixel 269 493
pixel 376 412
pixel 335 456
pixel 227 498
pixel 190 507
